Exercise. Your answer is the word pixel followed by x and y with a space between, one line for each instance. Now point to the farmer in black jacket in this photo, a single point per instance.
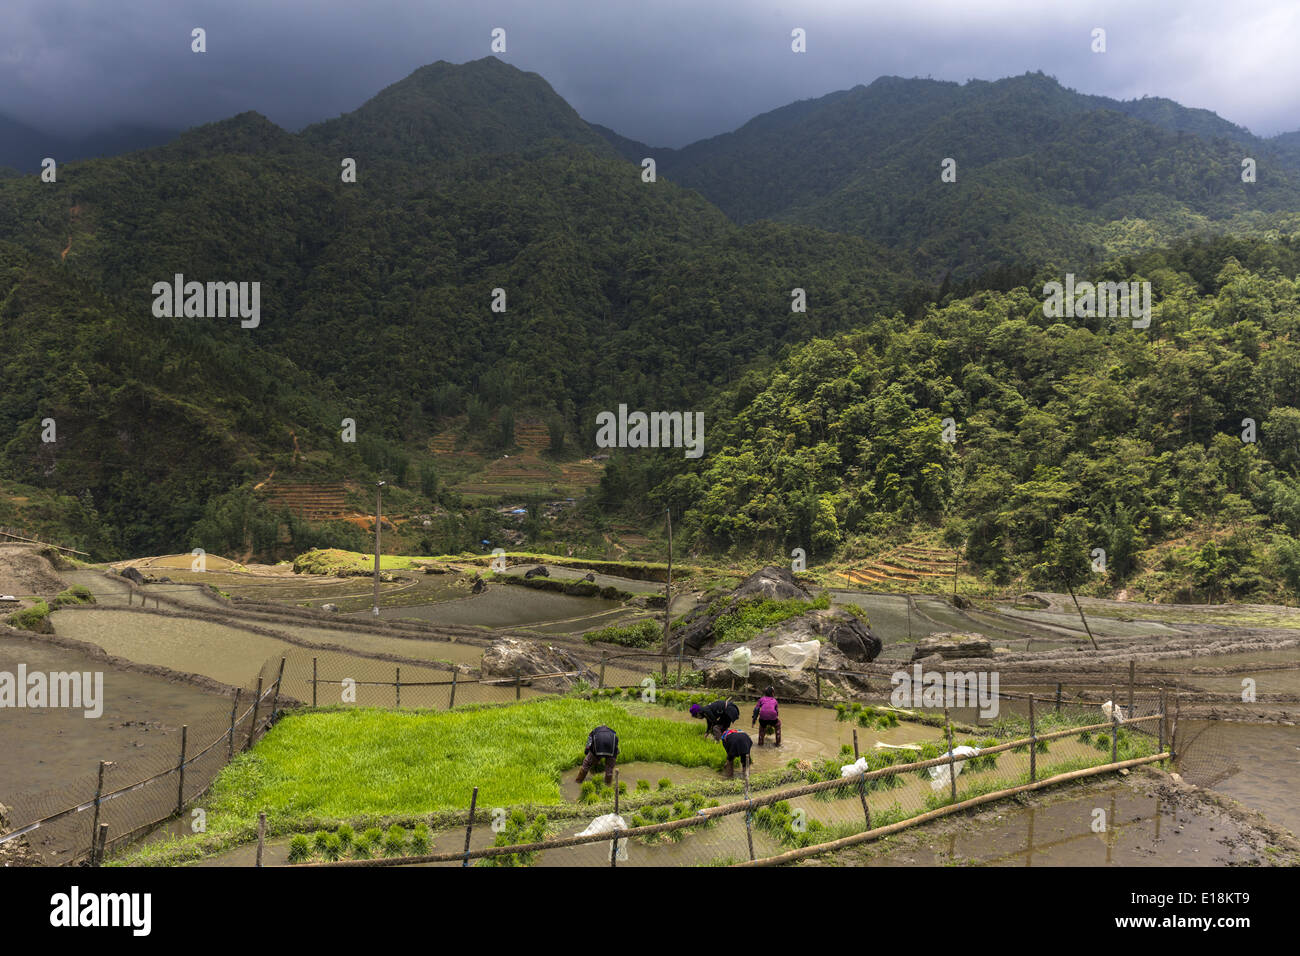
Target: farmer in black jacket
pixel 736 743
pixel 602 744
pixel 717 716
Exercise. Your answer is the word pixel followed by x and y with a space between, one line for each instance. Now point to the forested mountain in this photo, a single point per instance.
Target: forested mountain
pixel 824 425
pixel 1044 174
pixel 1070 435
pixel 376 296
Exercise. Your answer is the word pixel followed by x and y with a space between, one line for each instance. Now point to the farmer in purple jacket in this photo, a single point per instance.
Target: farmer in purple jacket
pixel 767 714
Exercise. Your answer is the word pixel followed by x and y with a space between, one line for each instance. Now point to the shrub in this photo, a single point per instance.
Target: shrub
pixel 35 618
pixel 641 633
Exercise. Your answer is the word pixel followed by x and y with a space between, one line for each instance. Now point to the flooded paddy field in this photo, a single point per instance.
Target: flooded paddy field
pixel 58 746
pixel 505 606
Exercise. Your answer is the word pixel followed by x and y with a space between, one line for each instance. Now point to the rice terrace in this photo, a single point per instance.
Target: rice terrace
pixel 460 437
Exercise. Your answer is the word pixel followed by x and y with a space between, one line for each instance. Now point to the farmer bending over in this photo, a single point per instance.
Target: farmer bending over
pixel 767 715
pixel 736 743
pixel 602 744
pixel 718 716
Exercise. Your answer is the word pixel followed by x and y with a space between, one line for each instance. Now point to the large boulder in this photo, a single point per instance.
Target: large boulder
pixel 511 657
pixel 537 572
pixel 845 644
pixel 133 574
pixel 953 646
pixel 771 583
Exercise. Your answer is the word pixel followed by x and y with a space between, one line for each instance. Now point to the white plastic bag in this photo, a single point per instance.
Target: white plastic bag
pixel 609 823
pixel 854 769
pixel 797 655
pixel 939 774
pixel 738 662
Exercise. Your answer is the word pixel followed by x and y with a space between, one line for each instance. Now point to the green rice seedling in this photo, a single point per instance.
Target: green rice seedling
pixel 374 836
pixel 394 841
pixel 588 792
pixel 841 712
pixel 846 750
pixel 622 786
pixel 517 830
pixel 318 840
pixel 300 848
pixel 346 834
pixel 642 785
pixel 639 821
pixel 333 847
pixel 1103 742
pixel 664 783
pixel 856 707
pixel 420 838
pixel 1085 737
pixel 362 848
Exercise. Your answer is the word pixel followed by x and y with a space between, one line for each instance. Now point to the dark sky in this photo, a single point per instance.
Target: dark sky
pixel 663 72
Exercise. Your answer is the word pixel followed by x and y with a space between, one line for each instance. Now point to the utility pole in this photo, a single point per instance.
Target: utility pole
pixel 379 496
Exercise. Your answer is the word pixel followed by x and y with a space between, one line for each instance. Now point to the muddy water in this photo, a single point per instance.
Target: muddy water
pixel 631 585
pixel 1142 831
pixel 504 606
pixel 432 650
pixel 55 747
pixel 106 590
pixel 234 656
pixel 1258 764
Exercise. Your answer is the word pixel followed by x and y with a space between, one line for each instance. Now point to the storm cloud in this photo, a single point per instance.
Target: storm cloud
pixel 665 72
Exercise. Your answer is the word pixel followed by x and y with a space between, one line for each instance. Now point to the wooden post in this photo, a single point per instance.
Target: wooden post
pixel 100 844
pixel 1114 727
pixel 313 682
pixel 603 656
pixel 749 814
pixel 469 827
pixel 817 669
pixel 275 701
pixel 94 823
pixel 261 835
pixel 952 758
pixel 1132 665
pixel 1161 747
pixel 230 744
pixel 615 793
pixel 397 687
pixel 1033 741
pixel 452 702
pixel 180 787
pixel 862 784
pixel 517 684
pixel 252 729
pixel 1058 696
pixel 668 597
pixel 1173 733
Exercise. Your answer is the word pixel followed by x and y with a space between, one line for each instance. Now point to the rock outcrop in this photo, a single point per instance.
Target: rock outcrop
pixel 509 657
pixel 953 646
pixel 772 583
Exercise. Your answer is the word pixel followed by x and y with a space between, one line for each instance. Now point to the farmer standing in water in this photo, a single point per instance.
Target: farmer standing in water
pixel 718 716
pixel 767 714
pixel 602 744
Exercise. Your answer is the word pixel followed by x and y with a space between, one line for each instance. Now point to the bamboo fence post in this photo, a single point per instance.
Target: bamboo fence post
pixel 601 683
pixel 102 841
pixel 1132 668
pixel 469 827
pixel 261 834
pixel 230 744
pixel 1161 748
pixel 397 687
pixel 1058 696
pixel 749 812
pixel 952 758
pixel 180 767
pixel 1114 727
pixel 94 823
pixel 1173 733
pixel 313 682
pixel 862 784
pixel 252 729
pixel 452 702
pixel 1033 742
pixel 817 669
pixel 275 701
pixel 517 685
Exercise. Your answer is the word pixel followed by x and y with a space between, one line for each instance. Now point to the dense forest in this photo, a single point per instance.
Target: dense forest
pixel 825 426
